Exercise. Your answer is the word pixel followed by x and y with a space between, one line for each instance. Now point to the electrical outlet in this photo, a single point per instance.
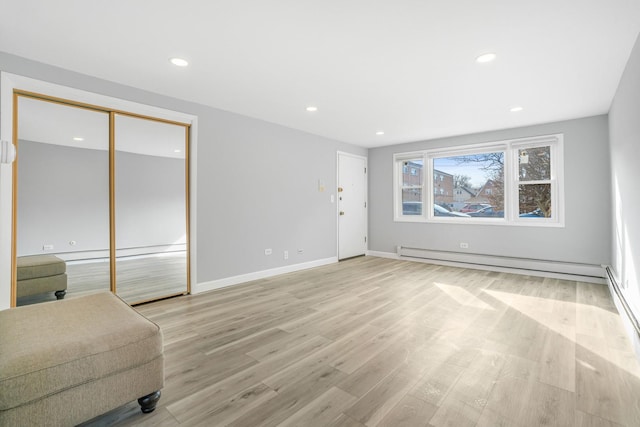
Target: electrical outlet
pixel 300 251
pixel 47 247
pixel 464 245
pixel 286 254
pixel 268 251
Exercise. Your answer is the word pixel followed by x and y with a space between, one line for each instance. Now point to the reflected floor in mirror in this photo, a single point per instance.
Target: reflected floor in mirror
pixel 138 278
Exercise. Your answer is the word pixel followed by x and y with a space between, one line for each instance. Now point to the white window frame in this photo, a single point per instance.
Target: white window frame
pixel 556 151
pixel 511 181
pixel 398 159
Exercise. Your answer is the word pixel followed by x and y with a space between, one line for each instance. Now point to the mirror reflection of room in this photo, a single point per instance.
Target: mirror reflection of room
pixel 62 223
pixel 63 241
pixel 150 208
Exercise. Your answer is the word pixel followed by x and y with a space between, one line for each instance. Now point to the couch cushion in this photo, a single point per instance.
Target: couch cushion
pixel 50 347
pixel 30 267
pixel 41 285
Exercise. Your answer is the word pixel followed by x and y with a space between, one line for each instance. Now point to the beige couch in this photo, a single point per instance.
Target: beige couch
pixel 65 362
pixel 38 274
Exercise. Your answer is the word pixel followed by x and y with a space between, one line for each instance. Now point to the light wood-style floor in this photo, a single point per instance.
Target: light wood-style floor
pixel 378 342
pixel 137 278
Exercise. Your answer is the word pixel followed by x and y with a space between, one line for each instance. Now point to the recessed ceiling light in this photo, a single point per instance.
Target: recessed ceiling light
pixel 380 132
pixel 78 138
pixel 516 109
pixel 486 57
pixel 312 108
pixel 179 62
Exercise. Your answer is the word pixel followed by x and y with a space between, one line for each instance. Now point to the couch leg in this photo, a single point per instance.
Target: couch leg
pixel 148 403
pixel 60 294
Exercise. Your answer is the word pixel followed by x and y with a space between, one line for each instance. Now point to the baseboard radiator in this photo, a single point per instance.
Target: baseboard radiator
pixel 626 308
pixel 573 271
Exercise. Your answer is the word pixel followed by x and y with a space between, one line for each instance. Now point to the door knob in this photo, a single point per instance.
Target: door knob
pixel 341 212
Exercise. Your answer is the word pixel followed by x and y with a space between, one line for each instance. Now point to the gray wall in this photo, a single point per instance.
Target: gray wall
pixel 584 239
pixel 150 201
pixel 624 131
pixel 257 183
pixel 63 195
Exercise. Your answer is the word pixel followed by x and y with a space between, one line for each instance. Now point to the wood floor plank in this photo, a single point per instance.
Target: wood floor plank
pixel 317 360
pixel 468 397
pixel 434 385
pixel 291 398
pixel 557 365
pixel 409 412
pixel 321 411
pixel 371 408
pixel 235 383
pixel 530 403
pixel 375 370
pixel 587 420
pixel 604 387
pixel 223 412
pixel 377 342
pixel 344 421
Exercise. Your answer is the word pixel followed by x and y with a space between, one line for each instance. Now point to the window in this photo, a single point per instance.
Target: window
pixel 534 181
pixel 516 182
pixel 411 187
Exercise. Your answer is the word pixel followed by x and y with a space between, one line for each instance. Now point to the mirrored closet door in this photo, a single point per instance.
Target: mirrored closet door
pixel 62 200
pixel 100 202
pixel 150 208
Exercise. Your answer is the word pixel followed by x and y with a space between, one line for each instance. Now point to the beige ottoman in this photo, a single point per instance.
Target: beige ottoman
pixel 38 274
pixel 65 362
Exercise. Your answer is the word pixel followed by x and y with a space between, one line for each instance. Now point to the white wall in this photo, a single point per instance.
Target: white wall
pixel 584 239
pixel 257 183
pixel 63 196
pixel 624 132
pixel 150 202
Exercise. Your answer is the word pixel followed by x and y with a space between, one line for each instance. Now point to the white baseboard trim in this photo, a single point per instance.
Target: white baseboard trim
pixel 551 269
pixel 244 278
pixel 627 315
pixel 99 254
pixel 379 254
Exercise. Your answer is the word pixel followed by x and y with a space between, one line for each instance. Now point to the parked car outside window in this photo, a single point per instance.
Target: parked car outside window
pixel 474 207
pixel 488 212
pixel 415 208
pixel 440 211
pixel 537 213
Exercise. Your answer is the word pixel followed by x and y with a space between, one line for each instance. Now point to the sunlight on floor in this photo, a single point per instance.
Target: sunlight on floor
pixel 464 297
pixel 542 310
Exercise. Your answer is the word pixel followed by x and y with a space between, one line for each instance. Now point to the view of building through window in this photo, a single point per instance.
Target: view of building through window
pixel 475 183
pixel 412 172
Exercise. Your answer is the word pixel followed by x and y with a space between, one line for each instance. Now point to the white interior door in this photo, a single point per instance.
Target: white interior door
pixel 352 205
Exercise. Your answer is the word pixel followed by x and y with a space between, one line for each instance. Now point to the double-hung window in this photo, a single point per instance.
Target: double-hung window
pixel 515 182
pixel 410 177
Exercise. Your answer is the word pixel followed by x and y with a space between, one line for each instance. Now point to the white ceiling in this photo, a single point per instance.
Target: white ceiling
pixel 53 123
pixel 406 67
